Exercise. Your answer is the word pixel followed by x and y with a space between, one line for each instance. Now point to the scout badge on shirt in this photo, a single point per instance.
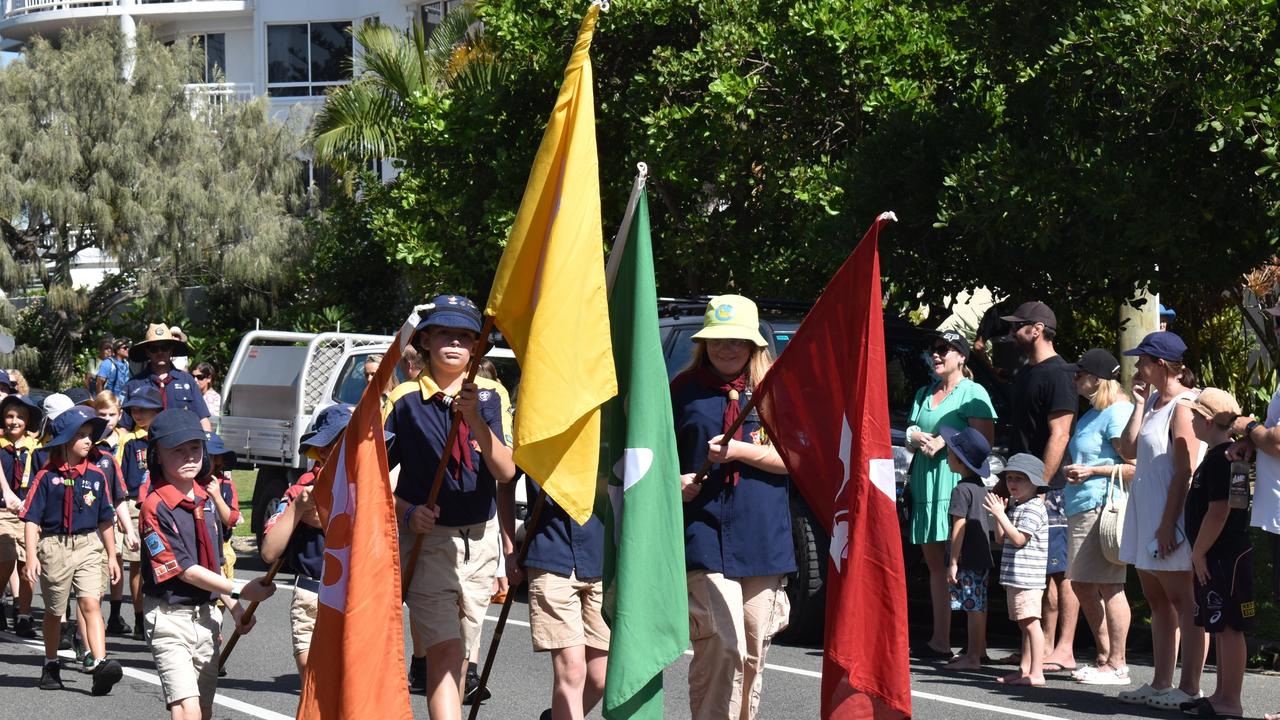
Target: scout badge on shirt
pixel 89 497
pixel 153 542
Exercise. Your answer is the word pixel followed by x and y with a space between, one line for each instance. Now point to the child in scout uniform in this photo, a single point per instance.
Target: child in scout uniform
pixel 454 574
pixel 967 453
pixel 69 523
pixel 107 405
pixel 177 388
pixel 294 531
pixel 111 446
pixel 141 408
pixel 565 564
pixel 182 578
pixel 223 491
pixel 1025 536
pixel 20 416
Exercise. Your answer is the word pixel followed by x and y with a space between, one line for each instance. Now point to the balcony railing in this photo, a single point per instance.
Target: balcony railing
pixel 212 98
pixel 15 8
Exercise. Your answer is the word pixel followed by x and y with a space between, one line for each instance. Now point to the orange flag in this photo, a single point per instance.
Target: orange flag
pixel 356 667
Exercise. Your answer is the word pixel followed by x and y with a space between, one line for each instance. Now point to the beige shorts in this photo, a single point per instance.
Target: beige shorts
pixel 13 539
pixel 70 563
pixel 302 618
pixel 1085 561
pixel 122 550
pixel 184 641
pixel 1024 603
pixel 228 561
pixel 565 612
pixel 452 583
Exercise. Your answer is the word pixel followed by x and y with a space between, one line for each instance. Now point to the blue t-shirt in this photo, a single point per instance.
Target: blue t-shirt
pixel 1091 445
pixel 115 375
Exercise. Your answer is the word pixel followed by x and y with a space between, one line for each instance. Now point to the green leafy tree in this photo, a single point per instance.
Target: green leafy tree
pixel 178 190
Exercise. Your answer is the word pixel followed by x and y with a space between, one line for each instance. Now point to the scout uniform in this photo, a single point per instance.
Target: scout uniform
pixel 16 461
pixel 178 532
pixel 227 490
pixel 132 456
pixel 178 389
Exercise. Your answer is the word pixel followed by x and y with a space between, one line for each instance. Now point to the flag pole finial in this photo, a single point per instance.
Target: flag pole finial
pixel 604 4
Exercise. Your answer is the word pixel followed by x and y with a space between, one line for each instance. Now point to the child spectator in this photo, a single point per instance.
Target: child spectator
pixel 1221 554
pixel 20 415
pixel 141 407
pixel 223 491
pixel 970 562
pixel 69 522
pixel 181 572
pixel 1025 537
pixel 294 531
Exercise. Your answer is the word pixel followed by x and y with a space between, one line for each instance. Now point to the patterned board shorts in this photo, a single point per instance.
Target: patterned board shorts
pixel 970 595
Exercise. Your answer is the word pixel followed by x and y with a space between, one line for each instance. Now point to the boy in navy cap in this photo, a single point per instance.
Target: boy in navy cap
pixel 294 531
pixel 69 524
pixel 967 452
pixel 21 417
pixel 453 579
pixel 182 577
pixel 223 491
pixel 142 407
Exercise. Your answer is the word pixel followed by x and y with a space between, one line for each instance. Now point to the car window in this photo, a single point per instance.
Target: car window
pixel 679 343
pixel 351 382
pixel 508 374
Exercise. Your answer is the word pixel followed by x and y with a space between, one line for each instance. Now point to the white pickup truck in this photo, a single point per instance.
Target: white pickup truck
pixel 277 383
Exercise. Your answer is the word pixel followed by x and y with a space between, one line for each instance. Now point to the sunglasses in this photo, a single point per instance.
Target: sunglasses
pixel 941 349
pixel 200 377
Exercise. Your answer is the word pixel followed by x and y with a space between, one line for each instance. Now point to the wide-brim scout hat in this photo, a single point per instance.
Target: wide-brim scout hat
pixel 79 395
pixel 67 424
pixel 34 413
pixel 451 311
pixel 970 447
pixel 145 397
pixel 6 382
pixel 327 426
pixel 731 317
pixel 157 334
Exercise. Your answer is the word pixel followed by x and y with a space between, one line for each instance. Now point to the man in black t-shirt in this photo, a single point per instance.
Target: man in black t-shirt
pixel 1044 402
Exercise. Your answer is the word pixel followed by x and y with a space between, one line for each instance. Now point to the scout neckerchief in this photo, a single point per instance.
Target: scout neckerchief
pixel 70 473
pixel 460 452
pixel 174 498
pixel 732 389
pixel 25 443
pixel 162 382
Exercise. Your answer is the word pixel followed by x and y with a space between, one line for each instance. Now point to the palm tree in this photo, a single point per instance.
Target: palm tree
pixel 360 121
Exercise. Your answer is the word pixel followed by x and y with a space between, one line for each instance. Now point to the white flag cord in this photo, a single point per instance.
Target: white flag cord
pixel 620 241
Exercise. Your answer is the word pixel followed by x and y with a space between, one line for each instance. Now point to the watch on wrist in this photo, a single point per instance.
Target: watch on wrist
pixel 235 595
pixel 1248 430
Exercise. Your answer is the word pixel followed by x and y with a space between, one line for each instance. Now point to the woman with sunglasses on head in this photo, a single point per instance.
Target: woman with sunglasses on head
pixel 954 400
pixel 204 380
pixel 737 520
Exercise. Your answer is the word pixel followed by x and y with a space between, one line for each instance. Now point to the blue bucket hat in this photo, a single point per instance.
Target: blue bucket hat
pixel 970 447
pixel 5 380
pixel 68 423
pixel 328 424
pixel 78 395
pixel 145 397
pixel 1163 345
pixel 452 311
pixel 175 426
pixel 34 413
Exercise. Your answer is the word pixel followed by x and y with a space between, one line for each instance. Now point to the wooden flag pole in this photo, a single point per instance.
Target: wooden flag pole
pixel 248 615
pixel 728 435
pixel 481 347
pixel 530 525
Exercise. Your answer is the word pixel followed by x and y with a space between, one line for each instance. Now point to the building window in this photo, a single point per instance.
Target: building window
pixel 213 46
pixel 433 14
pixel 307 58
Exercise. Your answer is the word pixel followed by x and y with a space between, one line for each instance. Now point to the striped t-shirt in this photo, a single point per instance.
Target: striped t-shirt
pixel 1024 567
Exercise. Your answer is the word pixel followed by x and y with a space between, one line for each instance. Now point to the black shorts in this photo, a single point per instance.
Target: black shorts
pixel 1226 601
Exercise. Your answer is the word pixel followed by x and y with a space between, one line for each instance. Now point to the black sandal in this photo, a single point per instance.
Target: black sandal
pixel 1202 708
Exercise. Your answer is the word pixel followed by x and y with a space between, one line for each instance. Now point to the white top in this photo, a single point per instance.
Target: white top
pixel 1266 491
pixel 1150 490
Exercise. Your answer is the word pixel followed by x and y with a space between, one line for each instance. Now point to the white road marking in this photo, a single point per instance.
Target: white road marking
pixel 218 699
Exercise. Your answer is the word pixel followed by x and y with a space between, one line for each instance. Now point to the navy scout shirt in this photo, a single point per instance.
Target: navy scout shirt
pixel 179 390
pixel 17 463
pixel 562 546
pixel 106 462
pixel 69 499
pixel 169 544
pixel 304 554
pixel 741 530
pixel 133 462
pixel 420 422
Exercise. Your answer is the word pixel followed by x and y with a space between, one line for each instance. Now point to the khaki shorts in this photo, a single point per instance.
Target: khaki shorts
pixel 228 561
pixel 1085 561
pixel 184 641
pixel 1024 603
pixel 452 583
pixel 70 563
pixel 122 550
pixel 565 612
pixel 13 539
pixel 302 618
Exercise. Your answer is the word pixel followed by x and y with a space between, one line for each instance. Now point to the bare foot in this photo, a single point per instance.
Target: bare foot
pixel 1271 716
pixel 1031 680
pixel 1010 679
pixel 964 662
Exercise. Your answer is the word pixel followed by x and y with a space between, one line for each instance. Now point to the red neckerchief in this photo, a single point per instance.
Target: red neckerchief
pixel 732 409
pixel 174 498
pixel 168 378
pixel 69 474
pixel 460 452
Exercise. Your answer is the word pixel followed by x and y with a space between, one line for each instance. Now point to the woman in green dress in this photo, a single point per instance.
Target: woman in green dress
pixel 956 401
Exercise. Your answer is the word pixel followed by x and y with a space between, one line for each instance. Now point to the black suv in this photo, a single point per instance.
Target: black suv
pixel 908 370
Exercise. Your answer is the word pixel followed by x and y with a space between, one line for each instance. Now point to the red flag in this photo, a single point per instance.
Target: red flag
pixel 356 667
pixel 825 403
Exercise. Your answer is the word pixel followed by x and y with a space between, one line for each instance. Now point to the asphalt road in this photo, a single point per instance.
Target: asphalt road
pixel 262 683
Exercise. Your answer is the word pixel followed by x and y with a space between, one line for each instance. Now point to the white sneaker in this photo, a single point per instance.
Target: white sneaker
pixel 1099 676
pixel 1140 695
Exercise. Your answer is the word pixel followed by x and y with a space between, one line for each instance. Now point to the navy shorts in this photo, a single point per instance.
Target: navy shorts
pixel 1226 601
pixel 1057 550
pixel 970 595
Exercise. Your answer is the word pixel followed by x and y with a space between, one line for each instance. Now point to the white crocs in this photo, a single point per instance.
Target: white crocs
pixel 1140 694
pixel 1171 699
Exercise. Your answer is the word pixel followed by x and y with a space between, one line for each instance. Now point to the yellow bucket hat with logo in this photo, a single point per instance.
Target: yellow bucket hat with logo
pixel 731 317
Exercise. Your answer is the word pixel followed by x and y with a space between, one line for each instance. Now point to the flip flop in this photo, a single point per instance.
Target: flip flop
pixel 928 653
pixel 1202 708
pixel 1054 667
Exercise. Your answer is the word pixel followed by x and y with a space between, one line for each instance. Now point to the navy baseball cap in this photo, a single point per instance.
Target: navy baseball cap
pixel 970 446
pixel 147 396
pixel 1163 345
pixel 175 426
pixel 328 424
pixel 67 424
pixel 452 311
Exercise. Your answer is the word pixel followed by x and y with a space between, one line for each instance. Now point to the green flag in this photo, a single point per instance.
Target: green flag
pixel 646 601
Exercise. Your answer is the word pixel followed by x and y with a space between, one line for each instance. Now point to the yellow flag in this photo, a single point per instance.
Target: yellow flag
pixel 549 300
